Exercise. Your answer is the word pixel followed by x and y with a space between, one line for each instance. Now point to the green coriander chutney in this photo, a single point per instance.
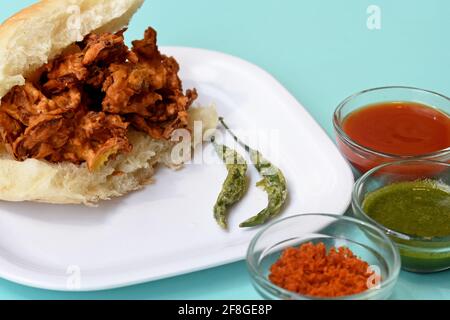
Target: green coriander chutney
pixel 416 208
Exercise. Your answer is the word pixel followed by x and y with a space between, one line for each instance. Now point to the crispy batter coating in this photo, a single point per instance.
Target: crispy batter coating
pixel 80 106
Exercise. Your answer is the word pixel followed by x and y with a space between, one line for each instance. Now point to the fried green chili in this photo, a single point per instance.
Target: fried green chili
pixel 235 184
pixel 273 183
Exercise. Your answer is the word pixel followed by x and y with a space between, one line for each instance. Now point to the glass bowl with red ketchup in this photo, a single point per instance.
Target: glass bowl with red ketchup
pixel 389 124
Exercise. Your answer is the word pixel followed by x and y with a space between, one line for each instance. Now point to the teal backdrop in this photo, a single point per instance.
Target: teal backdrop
pixel 321 51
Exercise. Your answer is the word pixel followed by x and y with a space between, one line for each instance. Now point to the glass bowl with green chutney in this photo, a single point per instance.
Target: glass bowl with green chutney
pixel 410 201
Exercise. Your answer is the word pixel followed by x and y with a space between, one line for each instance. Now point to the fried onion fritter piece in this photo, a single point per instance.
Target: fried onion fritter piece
pixel 147 47
pixel 106 48
pixel 45 136
pixel 64 72
pixel 80 105
pixel 97 137
pixel 127 90
pixel 23 103
pixel 148 90
pixel 166 119
pixel 10 129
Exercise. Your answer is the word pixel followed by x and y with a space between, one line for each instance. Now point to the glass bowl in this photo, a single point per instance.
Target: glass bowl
pixel 365 240
pixel 363 158
pixel 418 254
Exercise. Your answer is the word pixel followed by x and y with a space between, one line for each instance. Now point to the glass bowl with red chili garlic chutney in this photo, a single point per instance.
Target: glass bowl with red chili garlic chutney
pixel 410 201
pixel 390 124
pixel 323 256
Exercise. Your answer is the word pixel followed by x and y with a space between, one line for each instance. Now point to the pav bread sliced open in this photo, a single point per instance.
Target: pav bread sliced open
pixel 84 118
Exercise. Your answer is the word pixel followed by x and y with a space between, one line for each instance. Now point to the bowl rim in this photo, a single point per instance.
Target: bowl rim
pixel 346 138
pixel 392 278
pixel 404 236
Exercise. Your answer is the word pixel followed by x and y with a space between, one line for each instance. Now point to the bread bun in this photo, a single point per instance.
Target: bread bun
pixel 27 41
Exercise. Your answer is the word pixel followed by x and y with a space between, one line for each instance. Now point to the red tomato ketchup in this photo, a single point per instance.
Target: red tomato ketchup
pixel 396 129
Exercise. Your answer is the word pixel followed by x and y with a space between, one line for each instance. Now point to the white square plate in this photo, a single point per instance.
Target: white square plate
pixel 167 229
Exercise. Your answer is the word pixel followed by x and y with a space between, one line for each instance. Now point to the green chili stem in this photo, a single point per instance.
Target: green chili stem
pixel 246 147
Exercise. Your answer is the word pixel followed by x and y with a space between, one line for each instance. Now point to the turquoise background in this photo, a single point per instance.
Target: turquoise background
pixel 322 52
